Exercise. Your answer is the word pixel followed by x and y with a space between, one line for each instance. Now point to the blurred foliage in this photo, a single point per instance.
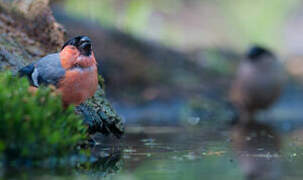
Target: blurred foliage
pixel 94 9
pixel 219 63
pixel 131 16
pixel 258 21
pixel 140 10
pixel 36 126
pixel 241 21
pixel 108 13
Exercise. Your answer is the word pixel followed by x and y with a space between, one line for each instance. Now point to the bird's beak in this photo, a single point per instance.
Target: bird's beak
pixel 86 48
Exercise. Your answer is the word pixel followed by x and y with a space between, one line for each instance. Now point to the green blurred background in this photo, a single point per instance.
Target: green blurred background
pixel 190 24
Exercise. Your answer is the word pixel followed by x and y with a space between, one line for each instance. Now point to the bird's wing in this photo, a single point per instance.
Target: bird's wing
pixel 47 70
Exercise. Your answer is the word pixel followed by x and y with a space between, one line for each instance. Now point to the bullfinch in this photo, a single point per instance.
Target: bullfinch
pixel 258 82
pixel 73 71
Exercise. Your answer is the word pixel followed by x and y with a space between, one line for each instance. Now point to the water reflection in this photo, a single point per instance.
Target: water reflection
pixel 252 152
pixel 106 164
pixel 100 165
pixel 257 147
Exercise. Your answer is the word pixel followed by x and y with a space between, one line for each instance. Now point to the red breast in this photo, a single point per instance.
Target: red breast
pixel 81 77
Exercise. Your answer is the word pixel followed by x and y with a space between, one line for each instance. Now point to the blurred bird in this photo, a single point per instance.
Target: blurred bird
pixel 73 71
pixel 258 83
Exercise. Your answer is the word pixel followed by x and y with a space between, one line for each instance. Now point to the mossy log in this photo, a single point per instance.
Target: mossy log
pixel 29 31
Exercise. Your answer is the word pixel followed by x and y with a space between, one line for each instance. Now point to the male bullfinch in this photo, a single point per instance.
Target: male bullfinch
pixel 73 71
pixel 258 83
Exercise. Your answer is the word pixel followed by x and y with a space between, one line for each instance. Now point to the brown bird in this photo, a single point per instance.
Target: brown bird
pixel 73 71
pixel 258 82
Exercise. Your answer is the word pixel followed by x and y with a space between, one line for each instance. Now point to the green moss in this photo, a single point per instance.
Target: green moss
pixel 101 82
pixel 35 126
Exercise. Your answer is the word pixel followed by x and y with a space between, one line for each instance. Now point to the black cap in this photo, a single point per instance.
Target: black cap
pixel 82 43
pixel 255 52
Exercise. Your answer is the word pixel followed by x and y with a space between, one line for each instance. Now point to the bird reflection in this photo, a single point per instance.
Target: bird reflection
pixel 257 147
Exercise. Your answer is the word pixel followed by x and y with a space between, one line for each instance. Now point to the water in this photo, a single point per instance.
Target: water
pixel 174 152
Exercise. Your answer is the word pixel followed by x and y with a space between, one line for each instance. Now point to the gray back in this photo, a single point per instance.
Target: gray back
pixel 48 70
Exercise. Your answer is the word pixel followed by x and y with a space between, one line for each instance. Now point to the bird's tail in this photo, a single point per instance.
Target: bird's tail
pixel 27 71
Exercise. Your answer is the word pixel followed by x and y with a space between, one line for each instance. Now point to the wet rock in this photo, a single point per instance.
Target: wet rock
pixel 100 115
pixel 35 18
